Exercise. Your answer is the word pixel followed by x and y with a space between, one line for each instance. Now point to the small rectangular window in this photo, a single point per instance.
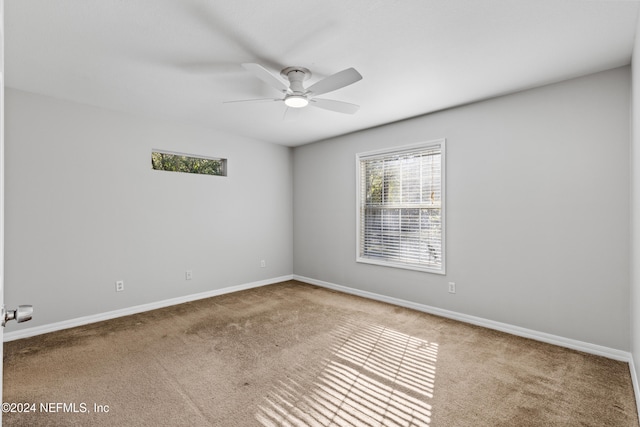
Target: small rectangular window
pixel 401 207
pixel 178 162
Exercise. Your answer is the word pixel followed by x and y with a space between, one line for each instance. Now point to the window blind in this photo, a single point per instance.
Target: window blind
pixel 401 208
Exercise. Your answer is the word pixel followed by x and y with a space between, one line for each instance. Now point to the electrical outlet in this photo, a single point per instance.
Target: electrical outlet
pixel 452 287
pixel 263 263
pixel 188 275
pixel 119 286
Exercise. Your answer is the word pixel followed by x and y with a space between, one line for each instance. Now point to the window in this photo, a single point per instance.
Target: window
pixel 401 207
pixel 177 162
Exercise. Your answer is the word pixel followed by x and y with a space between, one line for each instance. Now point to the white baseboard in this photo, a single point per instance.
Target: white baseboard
pixel 595 349
pixel 598 350
pixel 504 327
pixel 634 381
pixel 52 327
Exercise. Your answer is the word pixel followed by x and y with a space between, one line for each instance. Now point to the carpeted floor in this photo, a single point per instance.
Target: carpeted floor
pixel 295 354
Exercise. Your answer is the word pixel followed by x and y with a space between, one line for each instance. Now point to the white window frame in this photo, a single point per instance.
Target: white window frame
pixel 360 193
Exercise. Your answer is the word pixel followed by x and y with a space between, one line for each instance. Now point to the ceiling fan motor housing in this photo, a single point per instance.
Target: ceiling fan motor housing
pixel 296 75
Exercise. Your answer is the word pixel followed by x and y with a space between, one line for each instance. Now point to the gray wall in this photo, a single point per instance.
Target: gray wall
pixel 537 210
pixel 635 209
pixel 84 209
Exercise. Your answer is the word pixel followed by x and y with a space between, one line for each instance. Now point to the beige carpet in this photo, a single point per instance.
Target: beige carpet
pixel 295 354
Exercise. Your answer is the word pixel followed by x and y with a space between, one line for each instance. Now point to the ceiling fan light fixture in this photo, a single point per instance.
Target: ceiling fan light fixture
pixel 296 101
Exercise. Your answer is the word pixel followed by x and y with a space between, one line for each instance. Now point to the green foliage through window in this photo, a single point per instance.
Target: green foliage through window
pixel 174 162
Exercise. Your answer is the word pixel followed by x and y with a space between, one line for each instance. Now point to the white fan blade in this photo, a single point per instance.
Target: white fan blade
pixel 333 105
pixel 253 100
pixel 335 81
pixel 263 74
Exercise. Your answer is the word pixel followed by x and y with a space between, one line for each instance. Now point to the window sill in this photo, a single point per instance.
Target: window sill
pixel 400 265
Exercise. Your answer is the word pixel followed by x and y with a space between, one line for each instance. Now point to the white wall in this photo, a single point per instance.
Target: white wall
pixel 537 210
pixel 84 209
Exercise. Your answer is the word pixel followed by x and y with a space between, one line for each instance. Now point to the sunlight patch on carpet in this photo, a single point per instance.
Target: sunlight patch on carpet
pixel 374 376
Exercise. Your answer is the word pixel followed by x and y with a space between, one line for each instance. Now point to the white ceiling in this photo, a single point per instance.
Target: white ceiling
pixel 180 59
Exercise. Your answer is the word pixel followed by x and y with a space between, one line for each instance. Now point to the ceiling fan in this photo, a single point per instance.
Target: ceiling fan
pixel 295 94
